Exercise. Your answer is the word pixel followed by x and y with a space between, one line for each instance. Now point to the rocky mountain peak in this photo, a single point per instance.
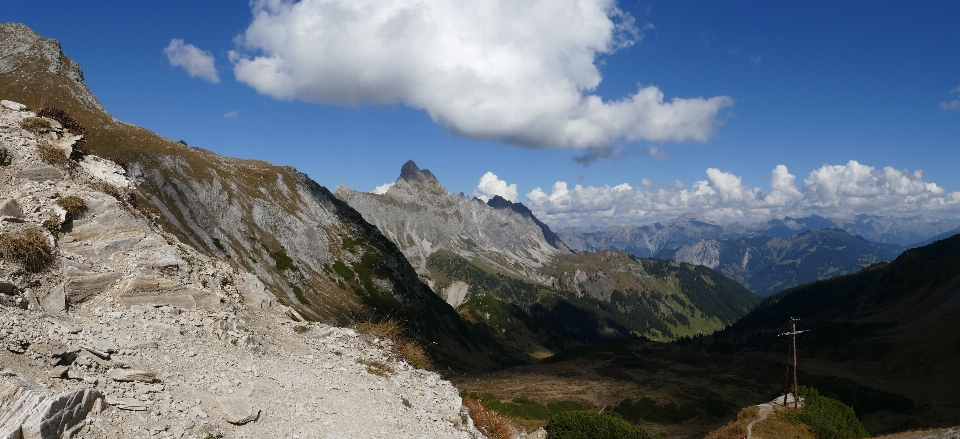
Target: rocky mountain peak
pixel 413 174
pixel 26 55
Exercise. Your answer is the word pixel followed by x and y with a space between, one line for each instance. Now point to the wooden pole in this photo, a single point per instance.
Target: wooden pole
pixel 793 342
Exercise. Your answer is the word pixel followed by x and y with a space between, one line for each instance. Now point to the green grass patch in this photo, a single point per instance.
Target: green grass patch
pixel 297 291
pixel 217 244
pixel 283 262
pixel 588 425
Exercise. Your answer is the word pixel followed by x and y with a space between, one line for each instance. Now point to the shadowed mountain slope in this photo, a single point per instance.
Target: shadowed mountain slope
pixel 890 326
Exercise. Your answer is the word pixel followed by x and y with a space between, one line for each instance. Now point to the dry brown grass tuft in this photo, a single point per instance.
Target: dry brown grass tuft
pixel 776 426
pixel 402 345
pixel 107 188
pixel 737 427
pixel 489 422
pixel 377 367
pixel 51 154
pixel 74 205
pixel 36 125
pixel 27 247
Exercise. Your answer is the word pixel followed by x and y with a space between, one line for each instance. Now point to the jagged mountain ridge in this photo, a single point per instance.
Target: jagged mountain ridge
pixel 767 264
pixel 421 217
pixel 309 249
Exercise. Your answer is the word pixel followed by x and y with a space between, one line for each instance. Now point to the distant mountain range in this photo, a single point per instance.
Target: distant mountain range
pixel 772 255
pixel 768 264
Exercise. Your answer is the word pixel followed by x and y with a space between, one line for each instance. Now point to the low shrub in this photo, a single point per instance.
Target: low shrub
pixel 36 125
pixel 27 247
pixel 67 121
pixel 589 425
pixel 520 408
pixel 74 205
pixel 51 154
pixel 489 422
pixel 5 158
pixel 829 418
pixel 402 345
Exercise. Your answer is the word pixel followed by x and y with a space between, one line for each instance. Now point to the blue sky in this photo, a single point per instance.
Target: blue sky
pixel 808 85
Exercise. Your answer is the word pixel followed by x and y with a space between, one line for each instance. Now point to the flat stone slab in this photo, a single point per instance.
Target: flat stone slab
pixel 238 410
pixel 131 375
pixel 40 172
pixel 132 404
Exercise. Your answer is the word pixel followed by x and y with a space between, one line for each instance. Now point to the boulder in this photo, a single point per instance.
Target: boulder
pixel 54 301
pixel 18 400
pixel 40 172
pixel 15 106
pixel 238 410
pixel 60 415
pixel 131 375
pixel 11 208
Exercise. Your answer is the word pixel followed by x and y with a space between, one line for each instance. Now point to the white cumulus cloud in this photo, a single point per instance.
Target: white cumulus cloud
pixel 490 185
pixel 383 188
pixel 518 71
pixel 831 190
pixel 198 63
pixel 951 105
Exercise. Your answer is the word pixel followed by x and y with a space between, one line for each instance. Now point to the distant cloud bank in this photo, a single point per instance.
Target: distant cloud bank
pixel 518 71
pixel 198 63
pixel 951 105
pixel 831 191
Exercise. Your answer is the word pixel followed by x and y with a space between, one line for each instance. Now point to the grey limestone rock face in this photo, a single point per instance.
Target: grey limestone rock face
pixel 57 416
pixel 421 218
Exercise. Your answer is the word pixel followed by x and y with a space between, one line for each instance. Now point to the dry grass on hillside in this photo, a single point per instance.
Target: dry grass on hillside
pixel 491 423
pixel 27 247
pixel 776 426
pixel 737 427
pixel 402 345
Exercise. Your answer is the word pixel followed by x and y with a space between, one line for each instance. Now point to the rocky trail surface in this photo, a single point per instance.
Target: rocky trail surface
pixel 127 332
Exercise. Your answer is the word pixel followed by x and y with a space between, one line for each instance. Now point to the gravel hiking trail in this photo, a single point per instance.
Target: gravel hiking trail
pixel 765 410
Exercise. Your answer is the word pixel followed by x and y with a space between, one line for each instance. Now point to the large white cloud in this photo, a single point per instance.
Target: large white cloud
pixel 832 191
pixel 490 185
pixel 198 63
pixel 518 71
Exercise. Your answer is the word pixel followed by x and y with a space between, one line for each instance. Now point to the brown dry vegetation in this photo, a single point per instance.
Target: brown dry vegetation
pixel 776 426
pixel 27 247
pixel 491 423
pixel 74 205
pixel 36 125
pixel 402 346
pixel 51 154
pixel 737 427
